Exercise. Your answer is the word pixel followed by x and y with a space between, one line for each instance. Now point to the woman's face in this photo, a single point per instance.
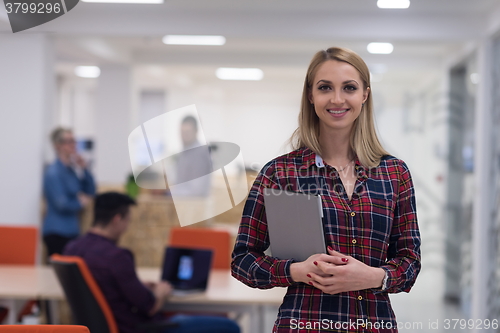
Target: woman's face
pixel 67 144
pixel 337 93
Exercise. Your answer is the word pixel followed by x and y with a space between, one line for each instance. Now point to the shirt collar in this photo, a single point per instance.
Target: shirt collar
pixel 94 235
pixel 309 158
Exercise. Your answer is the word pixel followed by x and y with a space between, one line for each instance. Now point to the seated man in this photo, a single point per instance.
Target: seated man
pixel 131 301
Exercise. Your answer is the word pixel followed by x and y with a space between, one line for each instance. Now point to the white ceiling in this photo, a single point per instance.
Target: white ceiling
pixel 266 32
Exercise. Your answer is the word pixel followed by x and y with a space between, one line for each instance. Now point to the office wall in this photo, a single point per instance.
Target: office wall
pixel 252 114
pixel 494 282
pixel 26 95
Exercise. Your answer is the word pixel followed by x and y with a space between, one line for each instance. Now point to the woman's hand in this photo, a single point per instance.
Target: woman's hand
pixel 84 199
pixel 79 160
pixel 353 275
pixel 304 271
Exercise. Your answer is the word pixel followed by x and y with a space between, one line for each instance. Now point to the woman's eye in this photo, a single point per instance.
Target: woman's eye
pixel 350 88
pixel 323 87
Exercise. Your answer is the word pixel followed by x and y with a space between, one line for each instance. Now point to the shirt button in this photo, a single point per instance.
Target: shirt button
pixel 353 213
pixel 354 241
pixel 363 325
pixel 360 298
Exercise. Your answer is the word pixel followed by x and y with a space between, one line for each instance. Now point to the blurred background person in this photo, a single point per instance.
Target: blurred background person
pixel 193 165
pixel 68 187
pixel 133 303
pixel 192 176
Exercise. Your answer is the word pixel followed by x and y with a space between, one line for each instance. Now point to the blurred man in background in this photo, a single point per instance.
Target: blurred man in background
pixel 68 187
pixel 133 303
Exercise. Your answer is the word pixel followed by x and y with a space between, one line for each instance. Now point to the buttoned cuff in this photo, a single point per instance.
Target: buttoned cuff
pixel 281 273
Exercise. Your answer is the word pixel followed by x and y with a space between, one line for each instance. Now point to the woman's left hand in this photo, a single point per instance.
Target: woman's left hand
pixel 352 276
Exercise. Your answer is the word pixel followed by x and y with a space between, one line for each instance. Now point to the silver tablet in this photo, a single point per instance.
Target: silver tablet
pixel 294 223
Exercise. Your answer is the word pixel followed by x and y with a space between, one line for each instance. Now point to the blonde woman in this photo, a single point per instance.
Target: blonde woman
pixel 370 220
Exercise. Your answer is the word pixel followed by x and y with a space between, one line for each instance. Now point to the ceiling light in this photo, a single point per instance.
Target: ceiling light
pixel 127 1
pixel 87 71
pixel 380 48
pixel 251 74
pixel 193 40
pixel 400 4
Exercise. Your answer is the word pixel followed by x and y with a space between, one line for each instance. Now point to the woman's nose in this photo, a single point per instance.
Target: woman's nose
pixel 337 97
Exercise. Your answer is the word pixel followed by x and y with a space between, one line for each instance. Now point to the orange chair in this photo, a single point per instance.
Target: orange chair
pixel 216 240
pixel 86 300
pixel 18 245
pixel 43 329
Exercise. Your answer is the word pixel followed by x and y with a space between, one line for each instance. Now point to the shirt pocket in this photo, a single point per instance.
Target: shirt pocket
pixel 378 217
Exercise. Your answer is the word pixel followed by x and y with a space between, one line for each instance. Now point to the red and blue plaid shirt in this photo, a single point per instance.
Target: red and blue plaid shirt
pixel 378 227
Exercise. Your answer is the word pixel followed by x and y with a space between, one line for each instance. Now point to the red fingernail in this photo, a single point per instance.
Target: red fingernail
pixel 310 282
pixel 308 275
pixel 330 248
pixel 345 259
pixel 316 263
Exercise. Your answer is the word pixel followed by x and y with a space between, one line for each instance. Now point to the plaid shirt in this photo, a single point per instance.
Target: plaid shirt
pixel 378 227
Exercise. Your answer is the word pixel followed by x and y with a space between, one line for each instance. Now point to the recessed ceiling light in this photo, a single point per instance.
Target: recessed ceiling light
pixel 193 40
pixel 127 1
pixel 251 74
pixel 380 48
pixel 400 4
pixel 87 71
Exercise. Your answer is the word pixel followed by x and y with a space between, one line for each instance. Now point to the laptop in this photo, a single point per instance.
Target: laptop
pixel 294 224
pixel 186 269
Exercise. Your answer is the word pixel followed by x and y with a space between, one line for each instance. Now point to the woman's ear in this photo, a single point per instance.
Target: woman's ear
pixel 366 93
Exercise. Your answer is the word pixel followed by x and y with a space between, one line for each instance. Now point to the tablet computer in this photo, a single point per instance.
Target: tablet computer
pixel 294 224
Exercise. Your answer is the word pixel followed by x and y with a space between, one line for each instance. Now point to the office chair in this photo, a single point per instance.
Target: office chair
pixel 216 240
pixel 18 247
pixel 85 298
pixel 43 329
pixel 3 314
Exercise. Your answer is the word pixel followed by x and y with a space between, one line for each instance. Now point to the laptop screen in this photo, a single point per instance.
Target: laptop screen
pixel 186 268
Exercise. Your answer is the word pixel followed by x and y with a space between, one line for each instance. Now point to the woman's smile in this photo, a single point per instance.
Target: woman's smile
pixel 336 112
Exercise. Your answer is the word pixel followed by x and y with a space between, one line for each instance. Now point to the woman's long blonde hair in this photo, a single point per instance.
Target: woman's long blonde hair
pixel 364 141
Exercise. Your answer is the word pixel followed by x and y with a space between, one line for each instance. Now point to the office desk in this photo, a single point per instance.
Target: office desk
pixel 20 282
pixel 28 282
pixel 224 293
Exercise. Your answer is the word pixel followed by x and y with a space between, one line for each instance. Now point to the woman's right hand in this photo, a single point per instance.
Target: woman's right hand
pixel 300 271
pixel 84 199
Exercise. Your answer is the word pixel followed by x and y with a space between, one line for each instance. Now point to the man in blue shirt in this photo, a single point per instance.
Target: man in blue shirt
pixel 68 187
